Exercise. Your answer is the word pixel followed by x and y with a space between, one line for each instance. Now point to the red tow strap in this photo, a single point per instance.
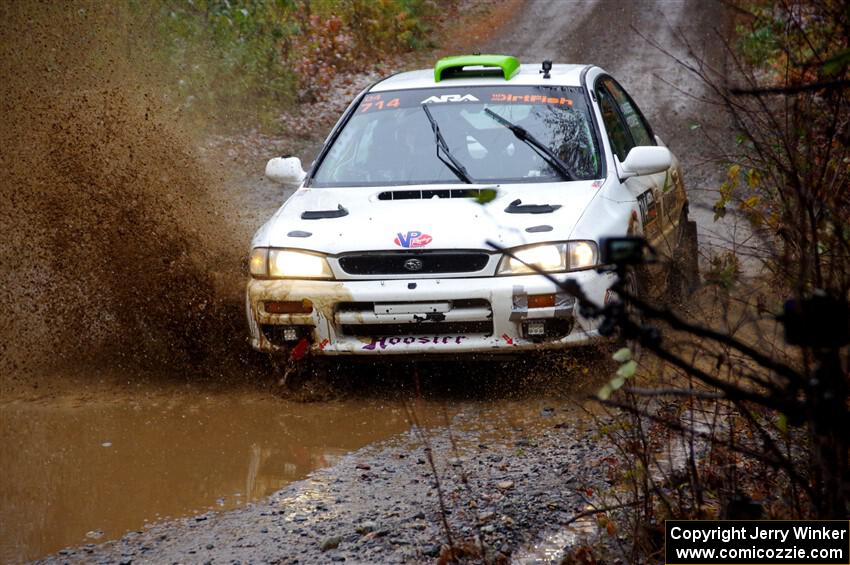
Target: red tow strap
pixel 300 349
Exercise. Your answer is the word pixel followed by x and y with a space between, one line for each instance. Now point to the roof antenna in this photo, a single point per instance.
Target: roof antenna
pixel 547 66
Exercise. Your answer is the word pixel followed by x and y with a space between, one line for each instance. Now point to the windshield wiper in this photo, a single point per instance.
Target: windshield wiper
pixel 453 164
pixel 540 148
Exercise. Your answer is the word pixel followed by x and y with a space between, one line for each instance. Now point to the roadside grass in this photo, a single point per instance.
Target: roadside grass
pixel 240 64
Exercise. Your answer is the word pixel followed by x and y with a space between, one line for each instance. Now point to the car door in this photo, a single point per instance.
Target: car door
pixel 626 128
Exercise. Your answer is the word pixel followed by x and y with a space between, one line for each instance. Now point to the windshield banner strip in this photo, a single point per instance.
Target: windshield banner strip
pixel 551 95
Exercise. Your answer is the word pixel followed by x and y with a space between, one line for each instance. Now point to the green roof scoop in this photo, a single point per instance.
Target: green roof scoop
pixel 447 65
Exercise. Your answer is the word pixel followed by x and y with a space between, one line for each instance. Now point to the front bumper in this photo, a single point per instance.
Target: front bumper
pixel 381 317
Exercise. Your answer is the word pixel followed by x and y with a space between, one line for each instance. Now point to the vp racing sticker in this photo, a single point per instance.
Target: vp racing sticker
pixel 412 239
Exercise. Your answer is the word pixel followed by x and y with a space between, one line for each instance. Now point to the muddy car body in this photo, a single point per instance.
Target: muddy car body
pixel 385 247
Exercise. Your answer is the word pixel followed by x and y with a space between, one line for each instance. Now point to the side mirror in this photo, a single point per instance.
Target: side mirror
pixel 646 160
pixel 622 251
pixel 285 170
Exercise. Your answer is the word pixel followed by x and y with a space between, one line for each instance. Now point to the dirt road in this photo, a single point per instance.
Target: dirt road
pixel 510 468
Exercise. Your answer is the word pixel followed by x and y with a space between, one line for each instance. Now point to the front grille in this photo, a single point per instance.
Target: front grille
pixel 423 329
pixel 412 263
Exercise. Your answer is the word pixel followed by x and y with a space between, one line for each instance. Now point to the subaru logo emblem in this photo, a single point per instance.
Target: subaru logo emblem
pixel 413 264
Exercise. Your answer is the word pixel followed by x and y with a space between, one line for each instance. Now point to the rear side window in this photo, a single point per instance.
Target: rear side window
pixel 640 130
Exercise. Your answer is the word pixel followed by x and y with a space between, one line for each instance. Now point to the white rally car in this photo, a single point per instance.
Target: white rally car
pixel 383 248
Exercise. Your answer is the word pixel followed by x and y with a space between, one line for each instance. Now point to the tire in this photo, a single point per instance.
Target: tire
pixel 691 256
pixel 635 282
pixel 634 286
pixel 683 274
pixel 309 379
pixel 290 375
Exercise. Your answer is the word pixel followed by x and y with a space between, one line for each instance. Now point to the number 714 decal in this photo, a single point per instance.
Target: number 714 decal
pixel 377 102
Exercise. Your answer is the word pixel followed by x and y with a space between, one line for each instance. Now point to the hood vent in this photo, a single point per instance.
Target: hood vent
pixel 323 214
pixel 428 194
pixel 517 207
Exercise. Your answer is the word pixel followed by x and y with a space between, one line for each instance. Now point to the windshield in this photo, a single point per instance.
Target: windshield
pixel 389 140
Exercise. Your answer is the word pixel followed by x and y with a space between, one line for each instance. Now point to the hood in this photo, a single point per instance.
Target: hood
pixel 371 223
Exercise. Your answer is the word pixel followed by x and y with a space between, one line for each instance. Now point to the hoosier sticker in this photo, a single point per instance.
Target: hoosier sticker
pixel 389 342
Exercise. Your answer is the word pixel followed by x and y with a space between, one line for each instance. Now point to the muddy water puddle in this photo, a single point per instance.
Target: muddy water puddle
pixel 79 474
pixel 87 472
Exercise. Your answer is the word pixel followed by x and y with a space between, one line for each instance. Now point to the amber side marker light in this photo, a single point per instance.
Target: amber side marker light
pixel 288 307
pixel 541 300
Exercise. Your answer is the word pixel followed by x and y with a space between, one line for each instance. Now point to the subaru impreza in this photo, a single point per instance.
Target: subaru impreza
pixel 439 194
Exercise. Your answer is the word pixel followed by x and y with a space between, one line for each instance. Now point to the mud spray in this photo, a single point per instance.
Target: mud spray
pixel 113 245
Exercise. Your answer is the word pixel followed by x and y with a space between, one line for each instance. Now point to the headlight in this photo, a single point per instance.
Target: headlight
pixel 582 254
pixel 297 264
pixel 549 257
pixel 288 264
pixel 258 264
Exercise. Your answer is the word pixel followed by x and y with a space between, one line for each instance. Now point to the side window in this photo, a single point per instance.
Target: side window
pixel 618 135
pixel 640 130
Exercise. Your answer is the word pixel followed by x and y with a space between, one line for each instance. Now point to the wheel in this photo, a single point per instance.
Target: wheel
pixel 306 380
pixel 691 256
pixel 683 273
pixel 633 284
pixel 633 287
pixel 290 374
